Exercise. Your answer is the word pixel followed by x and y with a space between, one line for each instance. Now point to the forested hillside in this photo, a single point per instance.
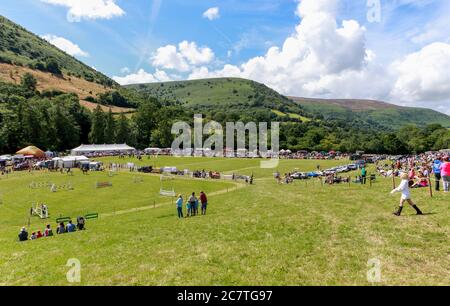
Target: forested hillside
pixel 377 112
pixel 23 48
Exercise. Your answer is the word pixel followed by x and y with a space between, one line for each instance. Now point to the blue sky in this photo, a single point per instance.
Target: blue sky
pixel 141 41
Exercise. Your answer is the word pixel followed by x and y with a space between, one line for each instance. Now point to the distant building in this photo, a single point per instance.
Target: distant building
pixel 103 149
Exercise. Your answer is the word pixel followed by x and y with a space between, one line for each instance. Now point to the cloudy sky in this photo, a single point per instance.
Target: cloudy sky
pixel 392 50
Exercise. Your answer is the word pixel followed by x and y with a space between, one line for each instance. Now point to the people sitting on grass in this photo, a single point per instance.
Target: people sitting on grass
pixel 61 229
pixel 48 231
pixel 23 235
pixel 81 223
pixel 420 181
pixel 330 179
pixel 288 179
pixel 70 228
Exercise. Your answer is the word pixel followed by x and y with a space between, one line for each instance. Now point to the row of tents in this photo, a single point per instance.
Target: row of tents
pixel 35 152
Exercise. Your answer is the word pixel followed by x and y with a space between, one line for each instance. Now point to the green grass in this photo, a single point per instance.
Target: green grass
pixel 266 234
pixel 203 92
pixel 220 95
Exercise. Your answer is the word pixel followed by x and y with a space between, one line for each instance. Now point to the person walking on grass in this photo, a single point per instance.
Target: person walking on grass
pixel 204 201
pixel 179 204
pixel 406 196
pixel 445 173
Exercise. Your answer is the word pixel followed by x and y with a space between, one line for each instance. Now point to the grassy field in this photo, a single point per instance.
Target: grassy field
pixel 265 234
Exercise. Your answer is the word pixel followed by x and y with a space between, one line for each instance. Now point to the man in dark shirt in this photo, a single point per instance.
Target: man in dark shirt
pixel 204 201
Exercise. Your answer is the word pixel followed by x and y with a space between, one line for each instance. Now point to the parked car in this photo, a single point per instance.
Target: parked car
pixel 148 169
pixel 352 167
pixel 315 174
pixel 300 176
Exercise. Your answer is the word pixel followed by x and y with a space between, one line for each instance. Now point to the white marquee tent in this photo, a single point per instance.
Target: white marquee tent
pixel 105 148
pixel 69 161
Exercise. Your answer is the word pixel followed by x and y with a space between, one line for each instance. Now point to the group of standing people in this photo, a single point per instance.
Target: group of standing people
pixel 192 205
pixel 441 170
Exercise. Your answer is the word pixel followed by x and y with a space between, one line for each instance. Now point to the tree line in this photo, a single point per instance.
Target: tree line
pixel 56 121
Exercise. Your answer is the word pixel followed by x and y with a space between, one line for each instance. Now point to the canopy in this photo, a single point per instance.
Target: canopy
pixel 105 148
pixel 32 151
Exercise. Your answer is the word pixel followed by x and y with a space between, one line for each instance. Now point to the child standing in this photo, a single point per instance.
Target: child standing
pixel 406 196
pixel 188 209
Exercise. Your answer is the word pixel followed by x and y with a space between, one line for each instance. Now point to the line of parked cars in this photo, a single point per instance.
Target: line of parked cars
pixel 335 170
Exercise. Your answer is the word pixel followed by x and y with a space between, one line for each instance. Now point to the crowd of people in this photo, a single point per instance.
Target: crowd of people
pixel 192 205
pixel 420 170
pixel 48 232
pixel 416 172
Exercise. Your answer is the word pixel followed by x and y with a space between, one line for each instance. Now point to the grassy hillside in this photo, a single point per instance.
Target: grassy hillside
pixel 22 52
pixel 224 94
pixel 23 48
pixel 384 114
pixel 231 94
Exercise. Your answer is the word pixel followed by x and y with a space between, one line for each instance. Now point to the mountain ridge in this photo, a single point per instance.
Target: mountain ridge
pixel 235 93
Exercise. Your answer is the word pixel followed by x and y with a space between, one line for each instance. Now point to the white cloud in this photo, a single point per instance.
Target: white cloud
pixel 424 75
pixel 226 71
pixel 327 59
pixel 195 55
pixel 212 13
pixel 183 57
pixel 168 57
pixel 89 9
pixel 65 45
pixel 142 76
pixel 125 70
pixel 319 48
